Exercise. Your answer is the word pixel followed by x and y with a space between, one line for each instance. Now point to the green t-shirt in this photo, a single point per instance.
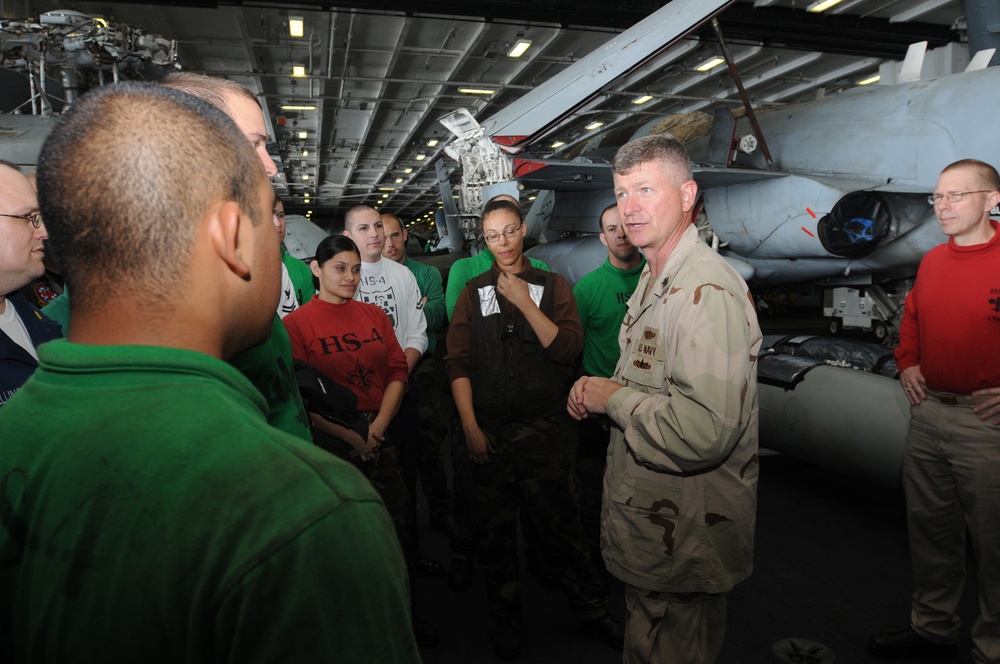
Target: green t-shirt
pixel 152 515
pixel 268 366
pixel 431 286
pixel 58 310
pixel 301 276
pixel 601 299
pixel 473 266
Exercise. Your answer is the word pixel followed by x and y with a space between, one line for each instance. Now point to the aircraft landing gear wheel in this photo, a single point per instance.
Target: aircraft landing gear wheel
pixel 836 326
pixel 881 331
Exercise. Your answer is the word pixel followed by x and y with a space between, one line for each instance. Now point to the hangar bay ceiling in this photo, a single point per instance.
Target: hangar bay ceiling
pixel 352 104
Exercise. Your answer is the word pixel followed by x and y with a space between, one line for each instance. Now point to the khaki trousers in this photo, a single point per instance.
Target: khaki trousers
pixel 951 479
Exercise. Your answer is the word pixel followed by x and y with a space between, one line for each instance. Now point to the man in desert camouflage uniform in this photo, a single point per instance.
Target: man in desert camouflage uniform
pixel 681 481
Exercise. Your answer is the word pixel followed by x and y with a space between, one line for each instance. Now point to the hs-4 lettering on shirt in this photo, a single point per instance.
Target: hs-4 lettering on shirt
pixel 347 343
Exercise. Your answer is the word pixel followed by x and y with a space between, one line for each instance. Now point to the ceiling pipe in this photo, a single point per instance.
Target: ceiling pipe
pixel 329 45
pixel 347 53
pixel 344 77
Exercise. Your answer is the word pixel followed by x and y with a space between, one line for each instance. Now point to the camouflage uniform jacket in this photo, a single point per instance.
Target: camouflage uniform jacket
pixel 680 489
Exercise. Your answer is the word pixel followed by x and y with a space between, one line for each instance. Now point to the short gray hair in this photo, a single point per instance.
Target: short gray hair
pixel 655 147
pixel 986 173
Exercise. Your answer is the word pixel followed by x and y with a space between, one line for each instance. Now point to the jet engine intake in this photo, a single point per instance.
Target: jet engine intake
pixel 862 221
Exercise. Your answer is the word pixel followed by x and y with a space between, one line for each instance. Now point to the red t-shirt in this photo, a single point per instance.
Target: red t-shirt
pixel 353 343
pixel 951 321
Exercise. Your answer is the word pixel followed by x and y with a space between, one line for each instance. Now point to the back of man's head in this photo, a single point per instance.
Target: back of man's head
pixel 662 148
pixel 216 91
pixel 124 181
pixel 236 101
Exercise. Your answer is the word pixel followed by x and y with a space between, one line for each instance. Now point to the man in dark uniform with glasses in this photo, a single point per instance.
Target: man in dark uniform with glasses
pixel 22 326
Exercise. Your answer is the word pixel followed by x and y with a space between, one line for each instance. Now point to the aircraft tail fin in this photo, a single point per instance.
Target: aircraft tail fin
pixel 913 63
pixel 981 60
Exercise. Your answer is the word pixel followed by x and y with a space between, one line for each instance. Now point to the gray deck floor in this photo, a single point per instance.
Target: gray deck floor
pixel 831 566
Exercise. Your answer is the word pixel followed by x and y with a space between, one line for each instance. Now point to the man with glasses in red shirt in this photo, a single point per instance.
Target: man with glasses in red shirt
pixel 949 362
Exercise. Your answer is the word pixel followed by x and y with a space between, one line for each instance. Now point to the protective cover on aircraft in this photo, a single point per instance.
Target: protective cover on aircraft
pixel 862 221
pixel 788 359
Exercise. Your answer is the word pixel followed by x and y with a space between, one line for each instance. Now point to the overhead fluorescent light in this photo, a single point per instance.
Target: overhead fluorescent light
pixel 399 180
pixel 296 26
pixel 822 6
pixel 305 176
pixel 558 144
pixel 298 71
pixel 385 195
pixel 387 189
pixel 594 125
pixel 519 48
pixel 303 135
pixel 305 153
pixel 710 64
pixel 871 79
pixel 421 157
pixel 431 143
pixel 642 100
pixel 300 107
pixel 477 91
pixel 407 170
pixel 307 195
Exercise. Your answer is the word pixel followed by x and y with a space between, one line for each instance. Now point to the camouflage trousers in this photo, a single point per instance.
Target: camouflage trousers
pixel 533 467
pixel 384 474
pixel 463 537
pixel 434 413
pixel 666 628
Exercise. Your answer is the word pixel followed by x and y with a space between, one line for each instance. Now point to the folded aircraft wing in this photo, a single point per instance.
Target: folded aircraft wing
pixel 590 173
pixel 542 109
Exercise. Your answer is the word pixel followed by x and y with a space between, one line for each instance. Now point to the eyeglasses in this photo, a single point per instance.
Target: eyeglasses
pixel 954 196
pixel 34 217
pixel 509 233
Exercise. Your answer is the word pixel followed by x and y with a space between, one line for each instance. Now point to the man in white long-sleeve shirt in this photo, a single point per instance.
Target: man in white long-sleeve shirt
pixel 387 284
pixel 394 289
